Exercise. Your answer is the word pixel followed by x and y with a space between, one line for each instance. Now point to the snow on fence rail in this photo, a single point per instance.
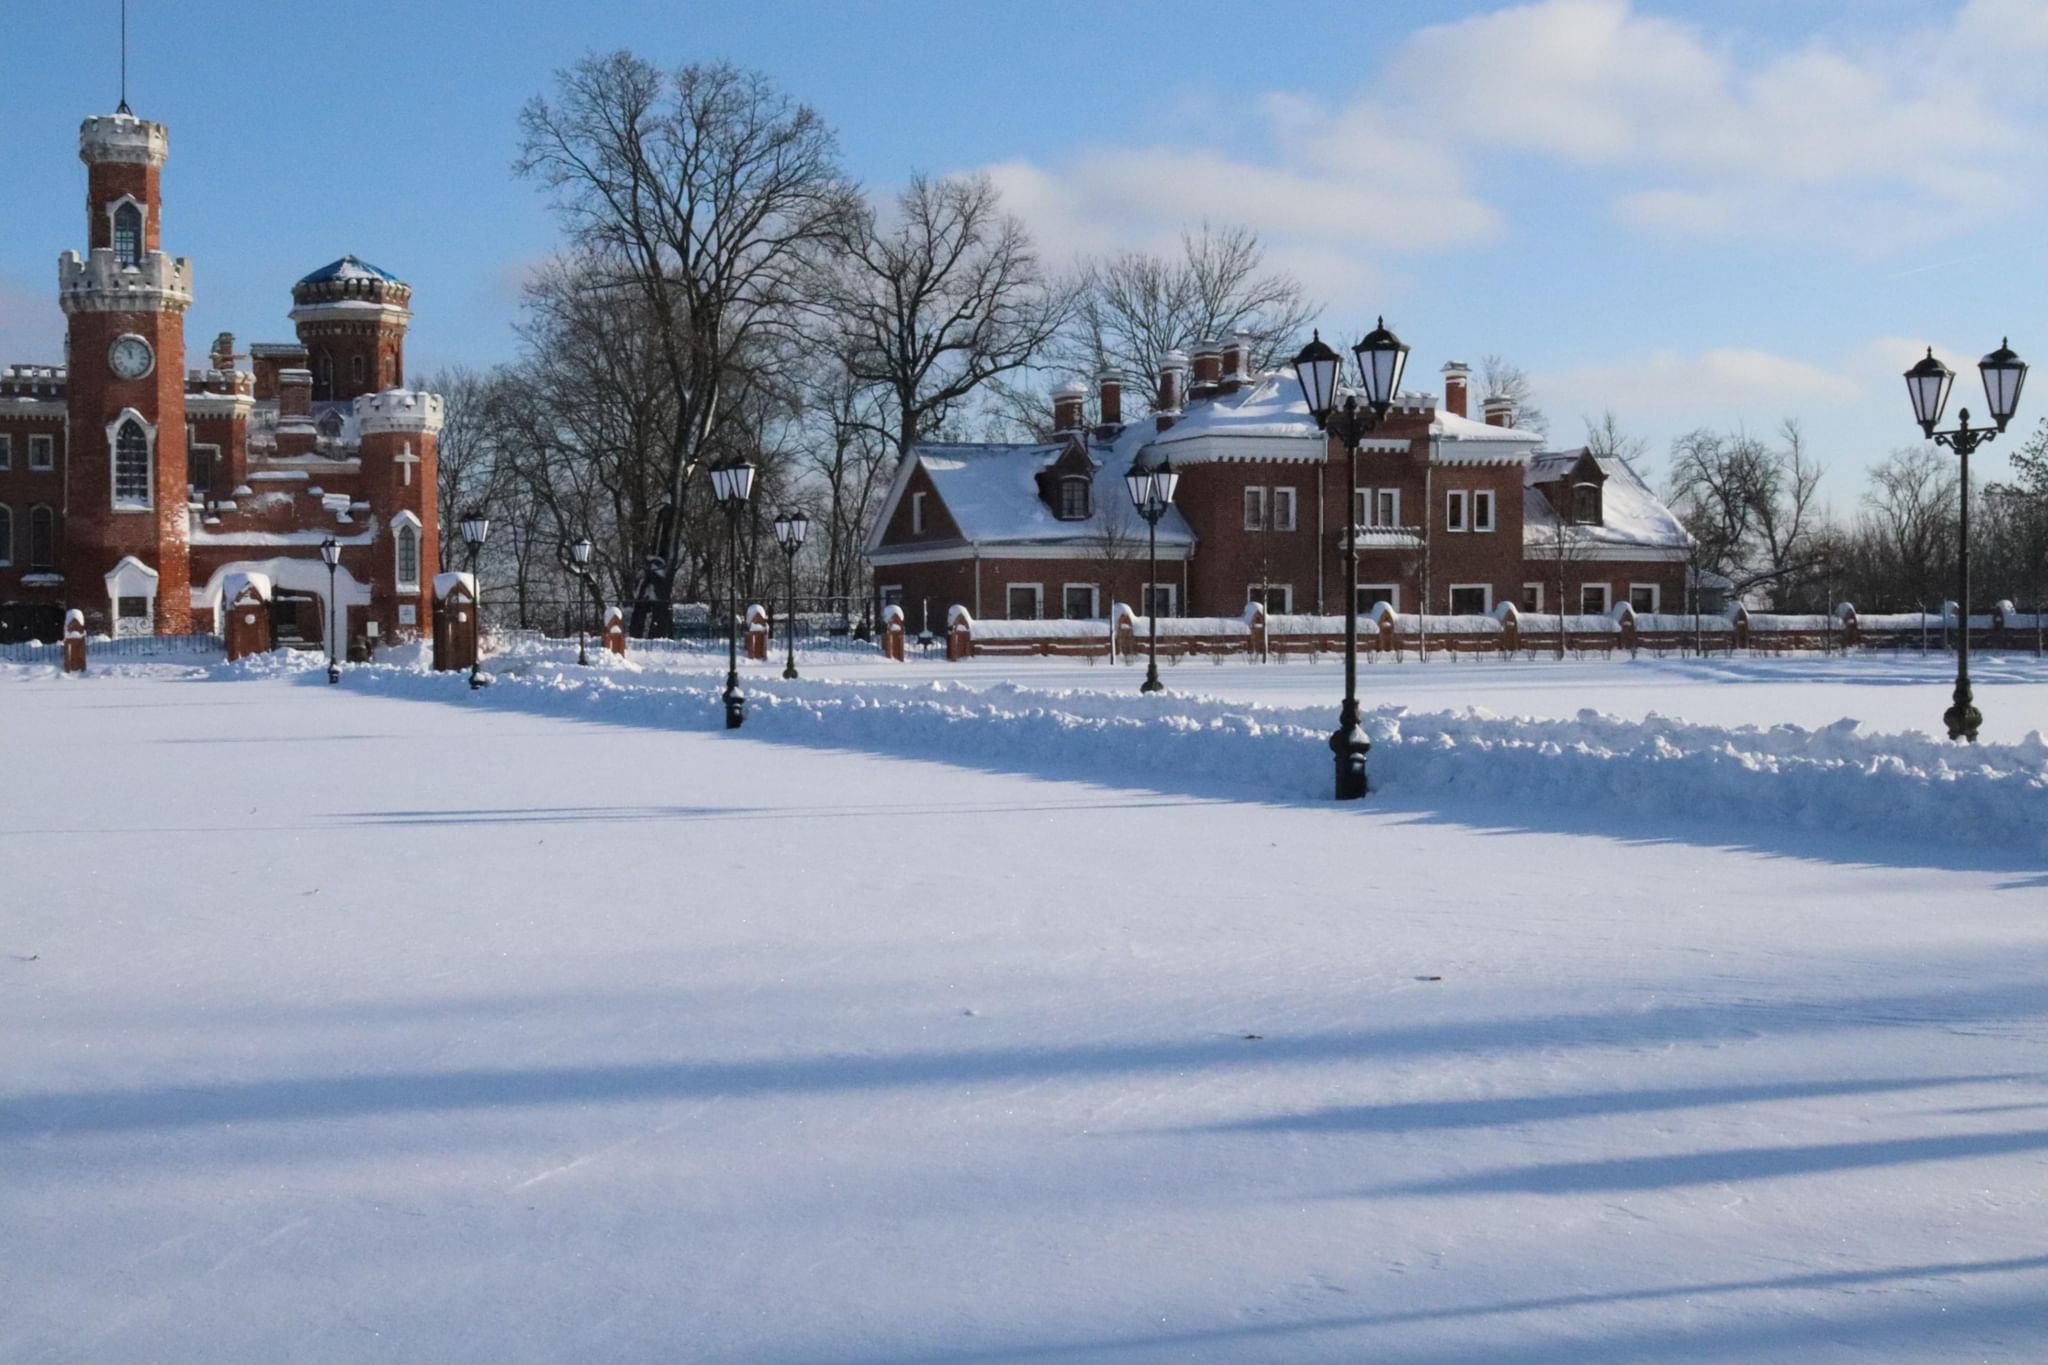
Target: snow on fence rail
pixel 117 647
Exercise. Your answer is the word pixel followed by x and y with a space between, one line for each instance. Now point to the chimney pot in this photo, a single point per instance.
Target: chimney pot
pixel 1457 387
pixel 1110 398
pixel 1067 402
pixel 1172 370
pixel 1500 412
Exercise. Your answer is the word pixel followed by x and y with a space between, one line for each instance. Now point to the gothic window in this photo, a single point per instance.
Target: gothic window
pixel 323 375
pixel 131 465
pixel 355 369
pixel 330 425
pixel 6 536
pixel 408 557
pixel 42 539
pixel 128 235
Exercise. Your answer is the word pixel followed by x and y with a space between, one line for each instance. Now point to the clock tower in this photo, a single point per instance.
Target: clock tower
pixel 125 497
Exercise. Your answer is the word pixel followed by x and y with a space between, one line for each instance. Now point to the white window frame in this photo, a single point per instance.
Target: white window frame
pixel 1656 592
pixel 121 419
pixel 1538 608
pixel 1370 501
pixel 1254 508
pixel 7 541
pixel 46 443
pixel 1037 593
pixel 1456 511
pixel 1094 601
pixel 1486 598
pixel 1606 591
pixel 1483 498
pixel 917 514
pixel 1259 592
pixel 403 522
pixel 1147 591
pixel 1393 591
pixel 1284 503
pixel 6 451
pixel 882 591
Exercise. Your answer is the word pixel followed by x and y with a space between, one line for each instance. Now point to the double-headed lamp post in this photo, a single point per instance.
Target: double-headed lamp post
pixel 1928 383
pixel 1152 484
pixel 476 529
pixel 1381 358
pixel 330 555
pixel 732 483
pixel 790 530
pixel 579 557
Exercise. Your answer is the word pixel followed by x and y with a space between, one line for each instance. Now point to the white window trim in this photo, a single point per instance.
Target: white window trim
pixel 1486 589
pixel 141 232
pixel 1656 591
pixel 1606 592
pixel 1393 591
pixel 114 462
pixel 407 520
pixel 1094 599
pixel 1283 497
pixel 1539 596
pixel 6 451
pixel 7 544
pixel 1259 592
pixel 1147 591
pixel 1369 508
pixel 47 443
pixel 1394 513
pixel 1458 521
pixel 917 514
pixel 1483 497
pixel 1254 509
pixel 1037 591
pixel 882 591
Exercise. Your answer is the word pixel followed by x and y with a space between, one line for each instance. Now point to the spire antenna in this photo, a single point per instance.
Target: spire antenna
pixel 124 109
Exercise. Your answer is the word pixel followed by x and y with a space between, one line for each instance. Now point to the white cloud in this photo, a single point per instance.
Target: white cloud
pixel 1720 384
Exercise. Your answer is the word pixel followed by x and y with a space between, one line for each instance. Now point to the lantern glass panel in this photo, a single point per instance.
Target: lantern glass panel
pixel 1927 384
pixel 1381 359
pixel 1317 368
pixel 2004 375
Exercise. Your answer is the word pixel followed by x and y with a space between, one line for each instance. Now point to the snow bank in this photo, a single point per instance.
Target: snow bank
pixel 1906 787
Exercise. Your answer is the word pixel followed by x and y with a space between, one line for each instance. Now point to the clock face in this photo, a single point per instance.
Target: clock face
pixel 131 357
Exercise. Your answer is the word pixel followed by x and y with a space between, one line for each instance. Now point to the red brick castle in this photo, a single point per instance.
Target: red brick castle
pixel 136 489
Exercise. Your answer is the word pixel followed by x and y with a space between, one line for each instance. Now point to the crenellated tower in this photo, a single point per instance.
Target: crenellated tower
pixel 351 318
pixel 125 496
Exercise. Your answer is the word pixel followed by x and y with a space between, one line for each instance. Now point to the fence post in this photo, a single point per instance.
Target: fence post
pixel 248 613
pixel 1625 614
pixel 892 632
pixel 1510 628
pixel 959 634
pixel 757 633
pixel 1255 629
pixel 1852 631
pixel 74 641
pixel 615 630
pixel 456 626
pixel 1741 626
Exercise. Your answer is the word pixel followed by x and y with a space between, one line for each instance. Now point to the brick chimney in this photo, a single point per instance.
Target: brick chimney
pixel 1500 412
pixel 1172 370
pixel 1110 398
pixel 1237 363
pixel 1208 370
pixel 1457 385
pixel 1068 400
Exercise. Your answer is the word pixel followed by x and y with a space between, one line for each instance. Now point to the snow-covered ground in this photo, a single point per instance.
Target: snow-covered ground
pixel 393 1021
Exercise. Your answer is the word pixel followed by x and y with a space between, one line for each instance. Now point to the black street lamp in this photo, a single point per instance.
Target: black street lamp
pixel 579 556
pixel 1928 384
pixel 732 483
pixel 476 529
pixel 1152 484
pixel 790 529
pixel 1381 358
pixel 330 555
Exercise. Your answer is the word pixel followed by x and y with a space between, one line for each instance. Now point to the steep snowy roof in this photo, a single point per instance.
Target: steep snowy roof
pixel 1632 516
pixel 992 492
pixel 1270 420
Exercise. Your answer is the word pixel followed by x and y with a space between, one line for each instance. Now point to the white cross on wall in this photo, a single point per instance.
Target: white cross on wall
pixel 406 460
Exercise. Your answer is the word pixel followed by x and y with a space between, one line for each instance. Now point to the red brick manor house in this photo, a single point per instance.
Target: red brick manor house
pixel 1456 515
pixel 136 489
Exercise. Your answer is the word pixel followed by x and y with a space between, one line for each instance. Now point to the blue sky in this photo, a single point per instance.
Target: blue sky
pixel 1694 214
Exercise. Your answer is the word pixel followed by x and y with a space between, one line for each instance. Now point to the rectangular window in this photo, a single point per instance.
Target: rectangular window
pixel 1077 602
pixel 1254 509
pixel 917 514
pixel 6 536
pixel 1471 599
pixel 1283 509
pixel 1532 597
pixel 42 452
pixel 891 594
pixel 408 556
pixel 1074 499
pixel 1644 597
pixel 1482 510
pixel 1586 504
pixel 1593 599
pixel 1160 599
pixel 6 451
pixel 42 539
pixel 1454 510
pixel 1276 598
pixel 199 466
pixel 1372 594
pixel 1026 601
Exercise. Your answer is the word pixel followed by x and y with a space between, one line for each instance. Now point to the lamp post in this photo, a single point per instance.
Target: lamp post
pixel 1381 358
pixel 1928 384
pixel 579 556
pixel 732 483
pixel 790 529
pixel 1152 486
pixel 330 555
pixel 476 529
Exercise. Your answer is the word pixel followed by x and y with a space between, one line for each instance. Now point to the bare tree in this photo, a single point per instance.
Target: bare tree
pixel 1910 521
pixel 1786 515
pixel 468 471
pixel 1501 378
pixel 707 192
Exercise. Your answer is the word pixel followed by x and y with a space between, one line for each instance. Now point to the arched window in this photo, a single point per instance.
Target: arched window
pixel 128 235
pixel 408 556
pixel 323 375
pixel 131 465
pixel 1586 504
pixel 1074 498
pixel 6 536
pixel 355 369
pixel 42 539
pixel 330 425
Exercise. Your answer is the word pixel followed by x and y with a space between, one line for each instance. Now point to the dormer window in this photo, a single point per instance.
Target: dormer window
pixel 1586 504
pixel 1075 504
pixel 128 235
pixel 330 426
